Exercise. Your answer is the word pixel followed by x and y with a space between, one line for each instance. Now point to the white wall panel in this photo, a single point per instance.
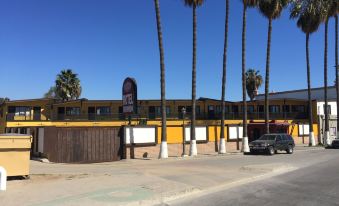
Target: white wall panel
pixel 200 133
pixel 140 135
pixel 304 129
pixel 235 132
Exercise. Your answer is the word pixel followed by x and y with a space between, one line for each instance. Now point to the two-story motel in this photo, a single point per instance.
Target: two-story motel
pixel 288 113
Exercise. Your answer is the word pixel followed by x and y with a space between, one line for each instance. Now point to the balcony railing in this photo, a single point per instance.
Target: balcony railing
pixel 156 116
pixel 15 117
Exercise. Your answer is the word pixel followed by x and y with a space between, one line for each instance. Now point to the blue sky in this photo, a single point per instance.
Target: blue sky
pixel 105 41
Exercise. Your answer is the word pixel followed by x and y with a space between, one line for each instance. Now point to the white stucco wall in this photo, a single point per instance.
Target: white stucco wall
pixel 320 108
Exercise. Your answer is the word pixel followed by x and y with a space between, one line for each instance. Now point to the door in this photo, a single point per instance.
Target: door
pixel 91 113
pixel 36 113
pixel 61 113
pixel 256 133
pixel 260 111
pixel 151 112
pixel 11 113
pixel 333 129
pixel 211 112
pixel 180 114
pixel 279 145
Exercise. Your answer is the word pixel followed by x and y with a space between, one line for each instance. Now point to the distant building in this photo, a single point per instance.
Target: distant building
pixel 302 94
pixel 318 102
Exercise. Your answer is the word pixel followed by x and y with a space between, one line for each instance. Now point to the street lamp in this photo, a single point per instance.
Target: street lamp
pixel 183 111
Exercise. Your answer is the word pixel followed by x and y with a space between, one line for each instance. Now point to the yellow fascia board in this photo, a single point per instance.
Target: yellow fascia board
pixel 121 123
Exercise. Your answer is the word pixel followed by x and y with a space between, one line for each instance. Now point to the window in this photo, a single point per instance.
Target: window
pixel 22 111
pixel 158 111
pixel 72 110
pixel 227 109
pixel 23 131
pixel 218 109
pixel 261 108
pixel 197 110
pixel 328 109
pixel 235 109
pixel 298 108
pixel 274 109
pixel 103 110
pixel 333 131
pixel 289 138
pixel 286 108
pixel 250 109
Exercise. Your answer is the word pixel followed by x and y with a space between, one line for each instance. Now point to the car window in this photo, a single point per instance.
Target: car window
pixel 279 138
pixel 267 137
pixel 289 137
pixel 285 137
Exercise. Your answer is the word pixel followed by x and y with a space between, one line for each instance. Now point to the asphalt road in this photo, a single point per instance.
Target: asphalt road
pixel 316 184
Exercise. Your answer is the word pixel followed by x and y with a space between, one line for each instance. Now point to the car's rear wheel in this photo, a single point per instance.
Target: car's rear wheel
pixel 289 149
pixel 271 150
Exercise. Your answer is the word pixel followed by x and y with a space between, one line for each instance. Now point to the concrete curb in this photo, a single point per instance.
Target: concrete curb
pixel 305 149
pixel 203 156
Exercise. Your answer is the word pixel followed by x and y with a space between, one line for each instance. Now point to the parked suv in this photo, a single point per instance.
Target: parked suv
pixel 271 143
pixel 335 144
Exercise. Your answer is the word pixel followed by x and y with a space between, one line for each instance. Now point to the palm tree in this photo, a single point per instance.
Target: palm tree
pixel 334 12
pixel 329 9
pixel 272 10
pixel 222 145
pixel 308 21
pixel 68 85
pixel 337 68
pixel 163 148
pixel 253 82
pixel 3 100
pixel 194 4
pixel 246 4
pixel 52 93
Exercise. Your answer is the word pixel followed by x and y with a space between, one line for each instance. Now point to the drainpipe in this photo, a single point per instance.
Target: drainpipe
pixel 284 110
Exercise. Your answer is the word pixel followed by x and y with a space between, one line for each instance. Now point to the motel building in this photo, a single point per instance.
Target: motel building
pixel 97 130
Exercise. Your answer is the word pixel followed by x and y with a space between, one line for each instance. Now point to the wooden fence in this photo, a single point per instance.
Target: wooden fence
pixel 83 145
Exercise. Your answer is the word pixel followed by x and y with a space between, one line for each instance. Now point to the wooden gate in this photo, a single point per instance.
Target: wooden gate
pixel 83 145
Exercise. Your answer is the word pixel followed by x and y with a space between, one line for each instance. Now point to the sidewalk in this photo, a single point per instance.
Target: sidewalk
pixel 144 182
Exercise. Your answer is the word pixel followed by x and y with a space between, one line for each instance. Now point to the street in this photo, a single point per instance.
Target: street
pixel 308 175
pixel 317 184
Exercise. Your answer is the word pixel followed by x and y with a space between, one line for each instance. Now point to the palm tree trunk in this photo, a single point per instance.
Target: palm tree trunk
pixel 336 69
pixel 193 146
pixel 163 148
pixel 222 146
pixel 245 147
pixel 310 113
pixel 327 133
pixel 267 78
